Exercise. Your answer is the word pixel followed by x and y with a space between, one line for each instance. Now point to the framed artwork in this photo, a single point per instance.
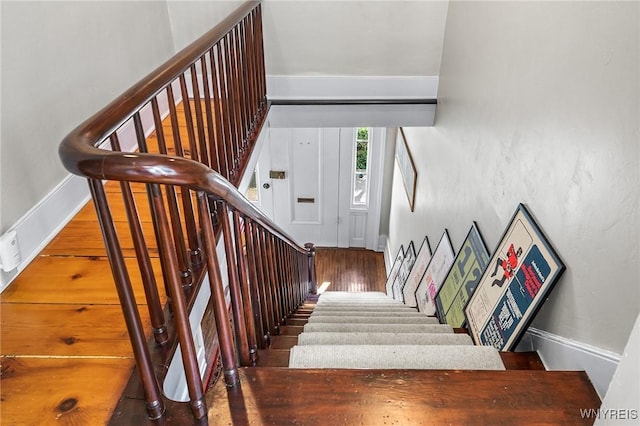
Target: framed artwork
pixel 419 267
pixel 521 273
pixel 394 271
pixel 406 166
pixel 462 279
pixel 435 274
pixel 405 269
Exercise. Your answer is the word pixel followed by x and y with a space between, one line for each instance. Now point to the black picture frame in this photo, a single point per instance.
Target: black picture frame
pixel 462 279
pixel 432 279
pixel 393 273
pixel 405 269
pixel 503 305
pixel 417 271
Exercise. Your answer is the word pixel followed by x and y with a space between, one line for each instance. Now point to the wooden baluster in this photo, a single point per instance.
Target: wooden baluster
pixel 219 113
pixel 226 114
pixel 242 242
pixel 214 161
pixel 253 98
pixel 231 95
pixel 264 285
pixel 313 282
pixel 244 84
pixel 153 398
pixel 187 207
pixel 290 281
pixel 183 261
pixel 223 325
pixel 180 310
pixel 154 305
pixel 259 315
pixel 174 212
pixel 237 305
pixel 239 93
pixel 297 260
pixel 262 75
pixel 284 279
pixel 197 103
pixel 277 308
pixel 188 119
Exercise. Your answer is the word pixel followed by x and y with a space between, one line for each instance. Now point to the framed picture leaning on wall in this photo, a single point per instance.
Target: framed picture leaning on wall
pixel 462 279
pixel 397 263
pixel 521 273
pixel 405 269
pixel 434 275
pixel 419 267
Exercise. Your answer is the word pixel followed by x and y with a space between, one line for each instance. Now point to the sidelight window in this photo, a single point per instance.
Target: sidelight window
pixel 361 166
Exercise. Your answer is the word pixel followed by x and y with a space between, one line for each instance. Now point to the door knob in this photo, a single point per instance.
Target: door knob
pixel 266 186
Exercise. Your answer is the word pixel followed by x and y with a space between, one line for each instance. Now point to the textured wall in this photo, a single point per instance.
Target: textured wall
pixel 354 37
pixel 61 62
pixel 539 103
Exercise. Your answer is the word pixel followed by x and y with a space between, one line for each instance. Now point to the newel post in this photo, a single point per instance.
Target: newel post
pixel 313 281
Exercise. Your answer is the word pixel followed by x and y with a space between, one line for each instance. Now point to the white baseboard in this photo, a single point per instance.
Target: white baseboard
pixel 387 254
pixel 560 353
pixel 301 87
pixel 43 222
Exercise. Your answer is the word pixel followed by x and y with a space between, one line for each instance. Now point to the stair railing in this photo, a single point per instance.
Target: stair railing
pixel 183 135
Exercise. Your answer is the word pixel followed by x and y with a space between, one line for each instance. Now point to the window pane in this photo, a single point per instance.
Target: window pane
pixel 252 191
pixel 360 186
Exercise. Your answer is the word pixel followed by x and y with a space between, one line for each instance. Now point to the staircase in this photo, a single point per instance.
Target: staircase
pixel 347 331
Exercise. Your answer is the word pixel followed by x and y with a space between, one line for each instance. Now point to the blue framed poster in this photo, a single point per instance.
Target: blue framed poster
pixel 462 279
pixel 521 273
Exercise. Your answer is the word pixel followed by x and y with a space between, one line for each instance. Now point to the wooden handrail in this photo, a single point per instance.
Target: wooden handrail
pixel 81 156
pixel 219 81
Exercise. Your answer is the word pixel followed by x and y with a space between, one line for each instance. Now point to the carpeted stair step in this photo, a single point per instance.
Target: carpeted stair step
pixel 322 338
pixel 350 295
pixel 363 304
pixel 377 319
pixel 367 313
pixel 456 357
pixel 364 309
pixel 377 328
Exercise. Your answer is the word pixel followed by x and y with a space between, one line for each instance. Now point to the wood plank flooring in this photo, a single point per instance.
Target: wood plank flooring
pixel 352 270
pixel 66 356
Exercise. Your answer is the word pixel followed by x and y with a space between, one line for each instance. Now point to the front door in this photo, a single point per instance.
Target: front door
pixel 321 187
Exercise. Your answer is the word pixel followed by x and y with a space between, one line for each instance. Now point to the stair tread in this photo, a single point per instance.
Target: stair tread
pixel 448 357
pixel 377 319
pixel 383 338
pixel 388 328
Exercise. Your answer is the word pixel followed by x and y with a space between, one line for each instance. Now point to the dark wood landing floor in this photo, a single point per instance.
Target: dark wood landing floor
pixel 280 396
pixel 353 270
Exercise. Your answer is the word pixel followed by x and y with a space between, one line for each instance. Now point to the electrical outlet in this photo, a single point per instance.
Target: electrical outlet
pixel 10 256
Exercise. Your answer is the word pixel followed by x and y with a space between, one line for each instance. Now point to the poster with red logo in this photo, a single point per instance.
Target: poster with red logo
pixel 521 273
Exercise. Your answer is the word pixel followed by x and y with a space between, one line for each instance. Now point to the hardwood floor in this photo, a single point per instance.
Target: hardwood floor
pixel 352 270
pixel 66 356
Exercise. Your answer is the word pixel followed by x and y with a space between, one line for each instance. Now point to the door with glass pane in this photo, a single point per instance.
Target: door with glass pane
pixel 321 182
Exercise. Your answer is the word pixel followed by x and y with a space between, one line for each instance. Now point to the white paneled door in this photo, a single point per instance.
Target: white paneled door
pixel 310 180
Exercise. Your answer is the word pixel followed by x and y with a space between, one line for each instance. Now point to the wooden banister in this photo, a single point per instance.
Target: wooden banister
pixel 203 111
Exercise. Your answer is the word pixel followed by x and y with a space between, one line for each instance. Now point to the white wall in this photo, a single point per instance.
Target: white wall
pixel 623 396
pixel 191 19
pixel 539 103
pixel 369 38
pixel 61 62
